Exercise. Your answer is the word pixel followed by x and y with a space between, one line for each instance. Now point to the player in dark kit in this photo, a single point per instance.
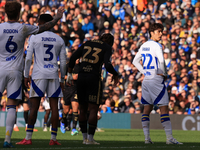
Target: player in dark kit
pixel 89 86
pixel 70 101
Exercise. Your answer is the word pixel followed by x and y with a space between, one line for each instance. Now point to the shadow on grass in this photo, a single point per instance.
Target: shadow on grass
pixel 41 144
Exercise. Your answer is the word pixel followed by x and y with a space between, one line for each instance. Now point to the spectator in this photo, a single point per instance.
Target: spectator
pixel 109 17
pixel 125 105
pixel 3 105
pixel 87 26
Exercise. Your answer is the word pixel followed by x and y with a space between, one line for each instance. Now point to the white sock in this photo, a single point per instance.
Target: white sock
pixel 168 129
pixel 90 137
pixel 29 135
pixel 53 137
pixel 145 126
pixel 84 136
pixel 15 125
pixel 10 121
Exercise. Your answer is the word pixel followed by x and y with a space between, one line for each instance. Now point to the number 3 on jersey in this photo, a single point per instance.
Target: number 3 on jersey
pixel 48 51
pixel 11 46
pixel 149 62
pixel 95 54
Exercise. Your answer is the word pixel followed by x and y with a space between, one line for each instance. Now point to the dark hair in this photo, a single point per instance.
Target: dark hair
pixel 45 18
pixel 12 9
pixel 154 27
pixel 107 38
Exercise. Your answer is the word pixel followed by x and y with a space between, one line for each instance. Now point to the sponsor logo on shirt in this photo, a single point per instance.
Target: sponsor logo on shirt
pixel 48 66
pixel 147 73
pixel 11 58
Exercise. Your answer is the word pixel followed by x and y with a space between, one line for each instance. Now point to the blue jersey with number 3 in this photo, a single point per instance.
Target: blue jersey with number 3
pixel 152 58
pixel 12 38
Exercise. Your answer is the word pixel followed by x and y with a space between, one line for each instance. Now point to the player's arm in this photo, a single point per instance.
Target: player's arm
pixel 63 62
pixel 28 62
pixel 77 54
pixel 136 62
pixel 160 57
pixel 62 65
pixel 51 24
pixel 109 66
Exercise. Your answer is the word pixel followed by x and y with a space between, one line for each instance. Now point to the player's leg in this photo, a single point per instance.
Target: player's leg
pixel 15 128
pixel 148 106
pixel 54 119
pixel 64 120
pixel 92 121
pixel 145 123
pixel 46 117
pixel 54 92
pixel 10 121
pixel 14 93
pixel 75 106
pixel 26 110
pixel 83 120
pixel 166 123
pixel 69 120
pixel 36 92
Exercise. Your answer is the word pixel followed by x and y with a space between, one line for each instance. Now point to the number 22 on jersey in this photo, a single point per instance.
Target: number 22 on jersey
pixel 148 62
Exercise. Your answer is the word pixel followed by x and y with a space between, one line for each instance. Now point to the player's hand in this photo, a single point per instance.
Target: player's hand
pixel 116 79
pixel 69 78
pixel 27 82
pixel 62 86
pixel 60 12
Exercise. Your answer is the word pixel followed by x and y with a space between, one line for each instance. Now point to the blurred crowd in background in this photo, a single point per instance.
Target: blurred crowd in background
pixel 129 22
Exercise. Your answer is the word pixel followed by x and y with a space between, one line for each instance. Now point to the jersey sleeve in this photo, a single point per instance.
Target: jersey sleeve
pixel 136 62
pixel 107 62
pixel 77 54
pixel 28 59
pixel 31 29
pixel 159 54
pixel 63 62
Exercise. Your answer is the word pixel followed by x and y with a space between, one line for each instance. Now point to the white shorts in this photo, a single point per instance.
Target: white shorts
pixel 12 81
pixel 154 92
pixel 50 86
pixel 46 104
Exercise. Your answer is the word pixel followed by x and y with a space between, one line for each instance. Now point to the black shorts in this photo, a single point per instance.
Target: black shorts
pixel 24 100
pixel 89 89
pixel 70 95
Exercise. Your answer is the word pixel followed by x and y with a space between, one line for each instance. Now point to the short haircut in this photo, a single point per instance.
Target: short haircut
pixel 45 18
pixel 154 27
pixel 107 38
pixel 12 9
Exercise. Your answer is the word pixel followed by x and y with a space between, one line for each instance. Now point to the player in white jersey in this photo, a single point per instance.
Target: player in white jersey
pixel 12 38
pixel 46 47
pixel 153 89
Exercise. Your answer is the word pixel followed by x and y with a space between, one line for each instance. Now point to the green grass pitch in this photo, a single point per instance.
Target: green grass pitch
pixel 111 139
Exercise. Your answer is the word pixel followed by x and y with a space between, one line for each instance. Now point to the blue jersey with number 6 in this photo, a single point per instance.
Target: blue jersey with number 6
pixel 12 38
pixel 152 58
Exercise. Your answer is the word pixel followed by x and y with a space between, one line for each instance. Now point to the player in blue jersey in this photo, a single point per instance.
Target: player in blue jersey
pixel 153 89
pixel 46 47
pixel 12 38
